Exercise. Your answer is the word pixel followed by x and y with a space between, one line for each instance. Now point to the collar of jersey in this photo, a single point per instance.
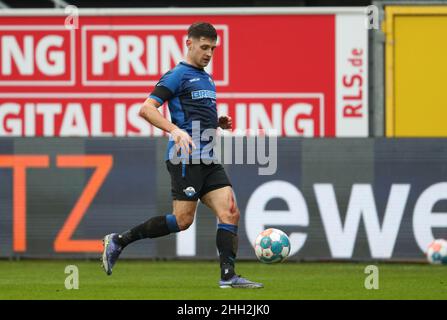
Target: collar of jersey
pixel 191 66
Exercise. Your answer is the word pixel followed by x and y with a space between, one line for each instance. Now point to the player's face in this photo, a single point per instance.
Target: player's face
pixel 200 51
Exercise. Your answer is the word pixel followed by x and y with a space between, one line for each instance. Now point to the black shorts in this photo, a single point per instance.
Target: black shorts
pixel 190 182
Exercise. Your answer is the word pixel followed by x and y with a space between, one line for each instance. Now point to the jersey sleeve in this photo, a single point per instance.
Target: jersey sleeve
pixel 167 87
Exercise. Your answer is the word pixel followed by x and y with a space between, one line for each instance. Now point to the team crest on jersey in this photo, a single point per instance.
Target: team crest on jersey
pixel 190 191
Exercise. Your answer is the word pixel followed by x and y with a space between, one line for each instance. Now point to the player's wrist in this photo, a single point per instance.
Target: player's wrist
pixel 172 128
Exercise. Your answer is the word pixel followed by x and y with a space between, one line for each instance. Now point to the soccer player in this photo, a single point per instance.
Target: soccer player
pixel 191 96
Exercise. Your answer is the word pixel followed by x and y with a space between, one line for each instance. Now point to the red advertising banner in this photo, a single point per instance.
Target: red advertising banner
pixel 70 115
pixel 299 73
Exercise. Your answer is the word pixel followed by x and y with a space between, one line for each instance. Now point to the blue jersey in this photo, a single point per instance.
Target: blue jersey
pixel 191 96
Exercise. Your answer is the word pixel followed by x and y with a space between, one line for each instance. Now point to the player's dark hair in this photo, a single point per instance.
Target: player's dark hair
pixel 202 29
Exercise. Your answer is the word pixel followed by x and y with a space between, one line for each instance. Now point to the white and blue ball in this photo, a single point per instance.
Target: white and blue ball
pixel 272 245
pixel 437 252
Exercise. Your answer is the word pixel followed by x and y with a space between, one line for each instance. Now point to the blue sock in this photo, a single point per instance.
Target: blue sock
pixel 227 244
pixel 153 228
pixel 171 221
pixel 229 227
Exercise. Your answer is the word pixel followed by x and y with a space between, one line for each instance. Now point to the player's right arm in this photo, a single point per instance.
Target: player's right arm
pixel 150 113
pixel 166 89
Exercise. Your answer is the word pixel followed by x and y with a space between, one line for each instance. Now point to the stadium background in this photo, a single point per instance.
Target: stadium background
pixel 361 165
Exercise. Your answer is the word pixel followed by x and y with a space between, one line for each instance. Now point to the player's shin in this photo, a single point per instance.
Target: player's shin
pixel 153 228
pixel 227 244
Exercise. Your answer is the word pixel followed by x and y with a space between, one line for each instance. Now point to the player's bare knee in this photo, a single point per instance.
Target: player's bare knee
pixel 184 226
pixel 184 221
pixel 236 214
pixel 230 216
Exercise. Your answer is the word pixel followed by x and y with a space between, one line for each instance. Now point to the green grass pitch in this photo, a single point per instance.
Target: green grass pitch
pixel 197 280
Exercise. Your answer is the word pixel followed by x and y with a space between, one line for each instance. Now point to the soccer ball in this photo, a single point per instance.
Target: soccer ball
pixel 272 245
pixel 437 252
